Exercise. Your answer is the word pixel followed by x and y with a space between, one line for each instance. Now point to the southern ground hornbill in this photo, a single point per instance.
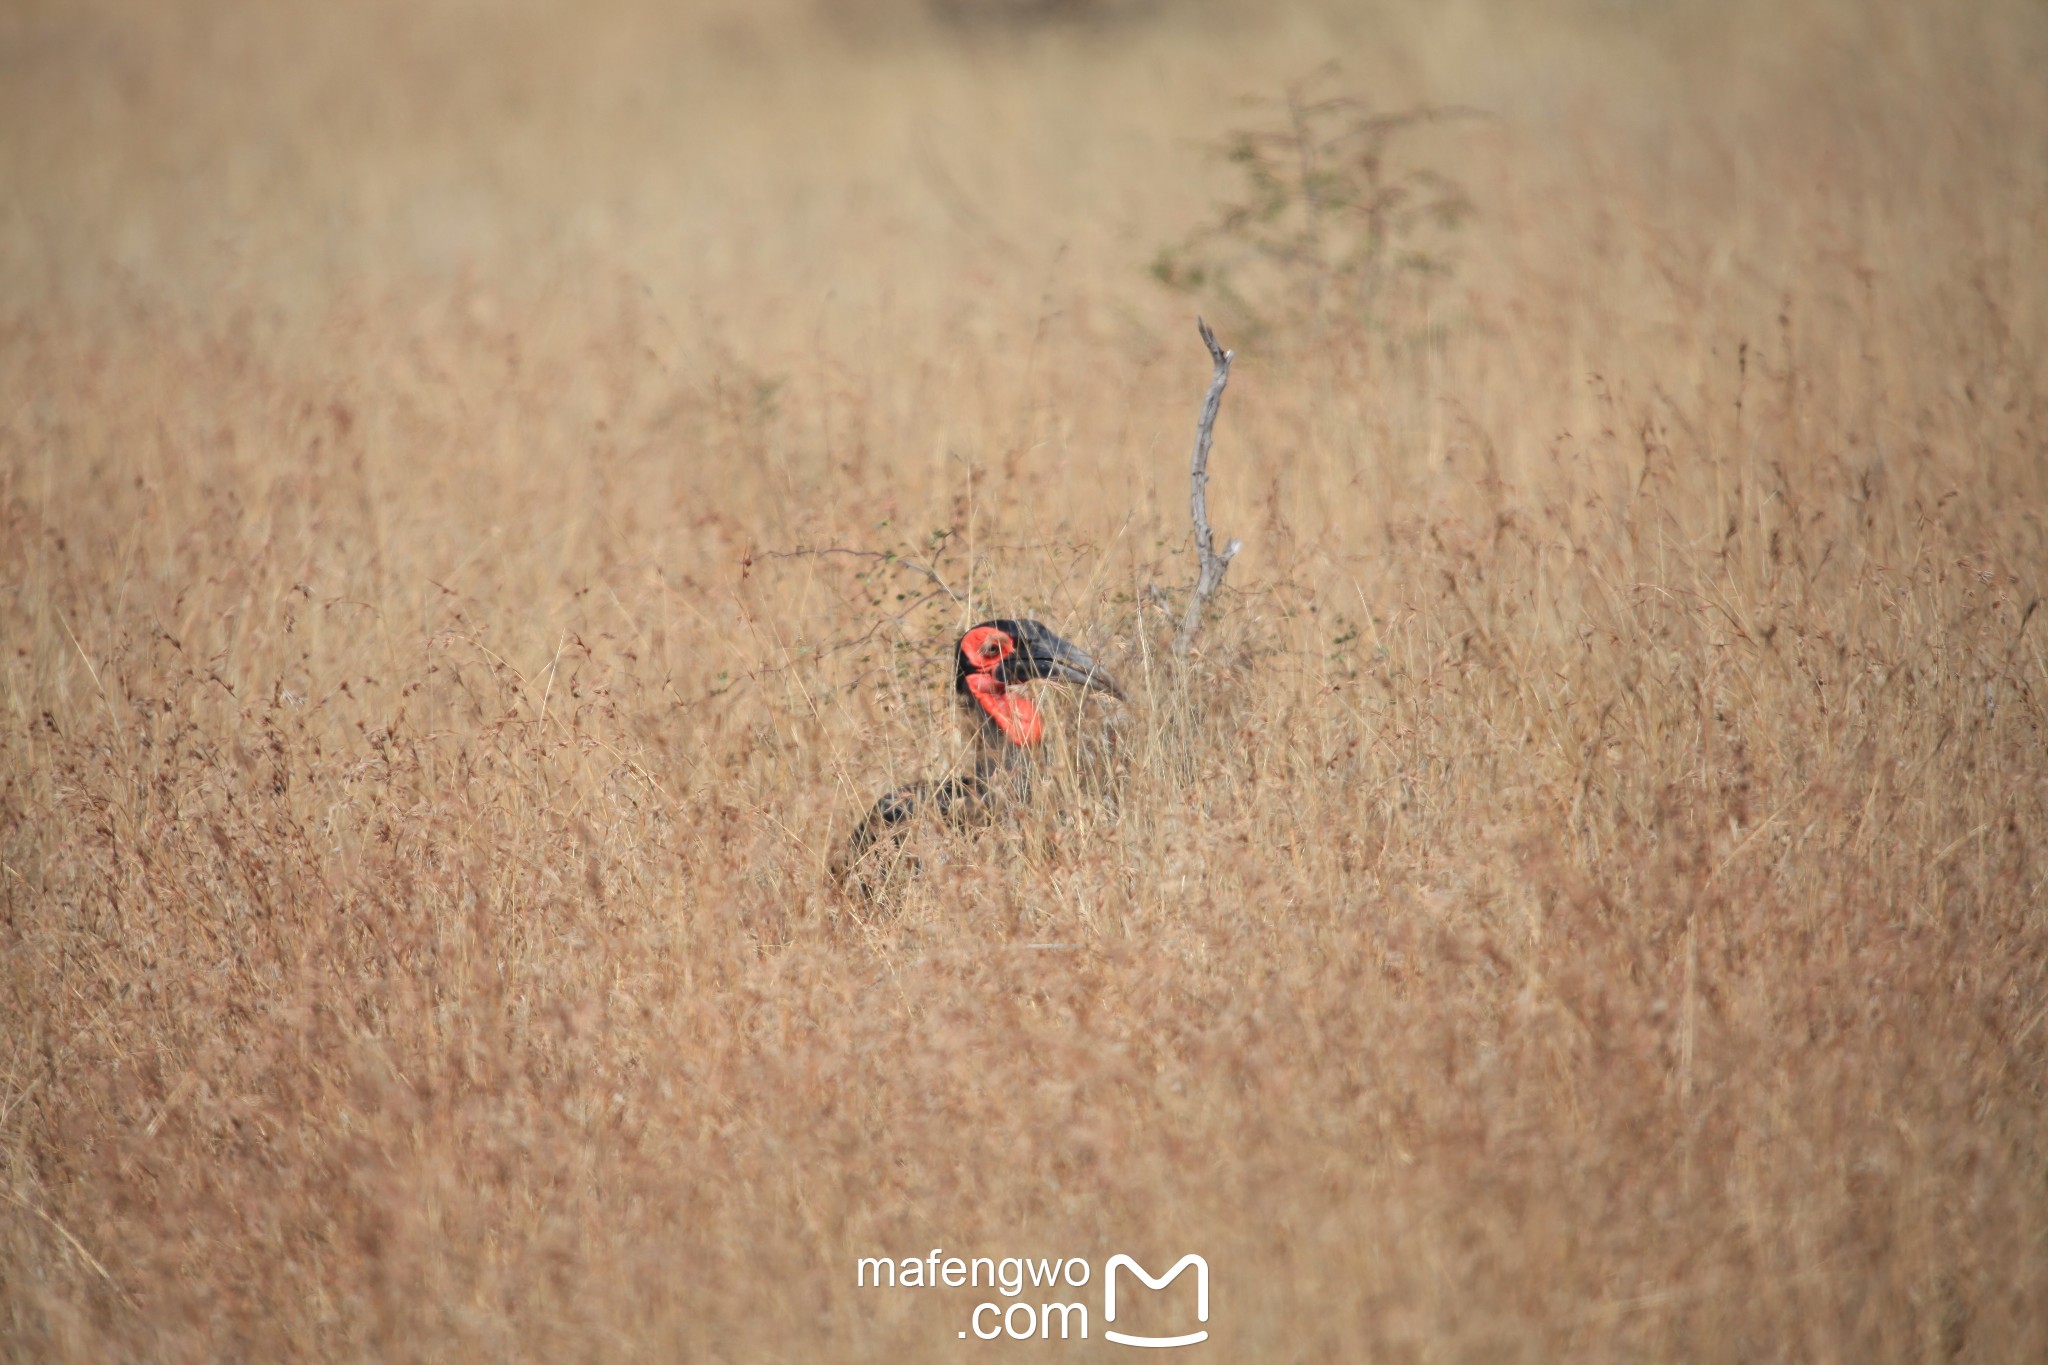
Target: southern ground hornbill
pixel 1004 725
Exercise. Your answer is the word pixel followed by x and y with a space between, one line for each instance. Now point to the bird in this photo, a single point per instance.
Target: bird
pixel 1004 725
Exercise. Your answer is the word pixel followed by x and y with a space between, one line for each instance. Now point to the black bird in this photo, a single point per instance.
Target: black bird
pixel 989 662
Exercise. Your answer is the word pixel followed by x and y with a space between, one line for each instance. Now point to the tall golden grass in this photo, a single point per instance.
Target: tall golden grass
pixel 1582 901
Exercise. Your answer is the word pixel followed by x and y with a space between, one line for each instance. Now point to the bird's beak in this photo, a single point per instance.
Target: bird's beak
pixel 1046 656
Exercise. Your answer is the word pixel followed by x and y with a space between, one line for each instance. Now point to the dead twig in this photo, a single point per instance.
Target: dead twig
pixel 1209 577
pixel 886 557
pixel 91 1261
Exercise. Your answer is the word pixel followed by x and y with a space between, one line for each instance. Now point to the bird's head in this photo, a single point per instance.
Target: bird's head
pixel 996 655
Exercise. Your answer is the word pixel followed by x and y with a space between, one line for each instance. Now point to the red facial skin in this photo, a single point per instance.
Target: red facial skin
pixel 986 648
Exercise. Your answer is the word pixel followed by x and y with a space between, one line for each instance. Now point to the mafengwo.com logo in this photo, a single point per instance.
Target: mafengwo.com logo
pixel 1048 1298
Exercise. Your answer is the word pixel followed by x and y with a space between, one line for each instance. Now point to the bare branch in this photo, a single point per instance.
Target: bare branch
pixel 885 557
pixel 1213 565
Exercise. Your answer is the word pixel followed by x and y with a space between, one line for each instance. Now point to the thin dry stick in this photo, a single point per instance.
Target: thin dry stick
pixel 76 1245
pixel 1213 565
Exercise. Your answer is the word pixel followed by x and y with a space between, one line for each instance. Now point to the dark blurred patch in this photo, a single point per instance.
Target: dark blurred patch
pixel 1031 13
pixel 879 18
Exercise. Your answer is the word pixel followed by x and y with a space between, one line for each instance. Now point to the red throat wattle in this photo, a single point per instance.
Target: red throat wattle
pixel 1012 711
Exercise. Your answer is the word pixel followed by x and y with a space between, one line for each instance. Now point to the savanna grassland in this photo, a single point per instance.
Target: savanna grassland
pixel 486 495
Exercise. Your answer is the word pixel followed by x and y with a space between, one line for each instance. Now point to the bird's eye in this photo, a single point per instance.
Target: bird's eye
pixel 990 648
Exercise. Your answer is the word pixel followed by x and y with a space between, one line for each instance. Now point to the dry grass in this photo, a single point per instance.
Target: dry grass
pixel 1584 902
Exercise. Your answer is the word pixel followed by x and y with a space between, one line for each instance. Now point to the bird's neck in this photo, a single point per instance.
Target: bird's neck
pixel 1012 715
